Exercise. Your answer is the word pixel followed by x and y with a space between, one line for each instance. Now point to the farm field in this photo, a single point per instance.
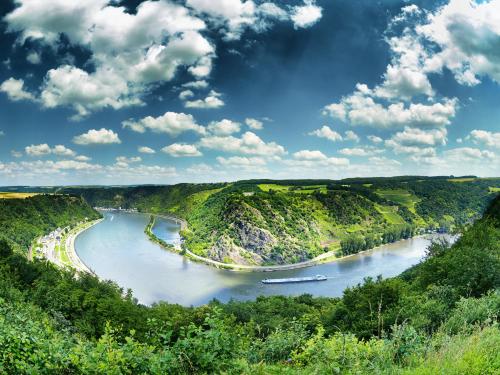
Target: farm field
pixel 9 195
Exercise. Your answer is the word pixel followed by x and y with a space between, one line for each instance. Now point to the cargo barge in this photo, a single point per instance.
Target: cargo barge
pixel 295 280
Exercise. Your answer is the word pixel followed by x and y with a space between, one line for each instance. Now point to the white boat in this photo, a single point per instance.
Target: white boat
pixel 295 279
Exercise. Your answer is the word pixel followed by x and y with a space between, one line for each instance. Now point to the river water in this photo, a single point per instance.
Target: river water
pixel 117 249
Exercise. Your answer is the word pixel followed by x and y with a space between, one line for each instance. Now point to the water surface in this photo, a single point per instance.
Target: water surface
pixel 117 249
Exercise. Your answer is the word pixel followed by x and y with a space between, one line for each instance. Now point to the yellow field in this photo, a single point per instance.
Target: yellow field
pixel 7 195
pixel 494 189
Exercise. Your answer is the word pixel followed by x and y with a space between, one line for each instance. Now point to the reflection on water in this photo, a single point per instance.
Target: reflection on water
pixel 118 249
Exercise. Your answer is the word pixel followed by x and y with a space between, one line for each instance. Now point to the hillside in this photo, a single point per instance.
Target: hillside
pixel 22 219
pixel 438 317
pixel 268 222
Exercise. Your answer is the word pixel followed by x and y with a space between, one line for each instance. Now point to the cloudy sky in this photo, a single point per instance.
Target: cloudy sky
pixel 165 91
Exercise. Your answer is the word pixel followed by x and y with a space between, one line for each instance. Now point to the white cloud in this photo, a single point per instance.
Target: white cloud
pixel 38 150
pixel 254 124
pixel 419 137
pixel 185 94
pixel 326 132
pixel 361 151
pixel 467 35
pixel 383 161
pixel 61 150
pixel 248 144
pixel 130 51
pixel 314 159
pixel 241 161
pixel 232 15
pixel 82 158
pixel 468 154
pixel 45 149
pixel 127 160
pixel 201 84
pixel 314 155
pixel 181 150
pixel 97 137
pixel 351 136
pixel 485 137
pixel 171 123
pixel 145 150
pixel 306 15
pixel 16 154
pixel 211 101
pixel 34 58
pixel 361 109
pixel 375 139
pixel 224 127
pixel 14 88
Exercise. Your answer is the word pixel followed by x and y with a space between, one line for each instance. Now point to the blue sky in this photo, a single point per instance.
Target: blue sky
pixel 130 92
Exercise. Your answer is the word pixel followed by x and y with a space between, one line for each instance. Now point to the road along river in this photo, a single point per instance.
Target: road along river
pixel 117 249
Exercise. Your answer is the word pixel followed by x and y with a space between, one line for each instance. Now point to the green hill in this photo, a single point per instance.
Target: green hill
pixel 264 222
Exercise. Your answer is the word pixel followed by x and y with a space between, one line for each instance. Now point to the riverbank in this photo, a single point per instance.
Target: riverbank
pixel 74 260
pixel 327 257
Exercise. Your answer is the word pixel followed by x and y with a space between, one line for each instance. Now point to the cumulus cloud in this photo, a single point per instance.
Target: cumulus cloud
pixel 38 150
pixel 212 100
pixel 185 94
pixel 254 124
pixel 201 84
pixel 45 149
pixel 351 136
pixel 361 151
pixel 97 137
pixel 315 158
pixel 468 154
pixel 14 88
pixel 249 144
pixel 241 161
pixel 361 109
pixel 63 151
pixel 306 15
pixel 130 51
pixel 374 139
pixel 34 58
pixel 327 133
pixel 419 137
pixel 181 150
pixel 145 150
pixel 224 127
pixel 171 123
pixel 485 137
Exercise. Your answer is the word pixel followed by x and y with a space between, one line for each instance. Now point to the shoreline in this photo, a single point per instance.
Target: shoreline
pixel 76 262
pixel 328 257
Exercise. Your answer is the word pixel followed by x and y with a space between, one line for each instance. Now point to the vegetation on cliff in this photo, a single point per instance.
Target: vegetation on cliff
pixel 440 316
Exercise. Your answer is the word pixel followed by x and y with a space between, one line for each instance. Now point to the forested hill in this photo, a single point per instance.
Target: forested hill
pixel 262 222
pixel 440 317
pixel 22 220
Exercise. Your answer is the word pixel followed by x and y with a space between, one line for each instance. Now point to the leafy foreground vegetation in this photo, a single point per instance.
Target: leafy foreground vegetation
pixel 441 316
pixel 264 222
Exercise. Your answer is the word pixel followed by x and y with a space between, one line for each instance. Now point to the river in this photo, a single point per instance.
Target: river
pixel 117 249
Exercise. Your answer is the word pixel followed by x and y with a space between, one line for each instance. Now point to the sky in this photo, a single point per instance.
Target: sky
pixel 165 91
